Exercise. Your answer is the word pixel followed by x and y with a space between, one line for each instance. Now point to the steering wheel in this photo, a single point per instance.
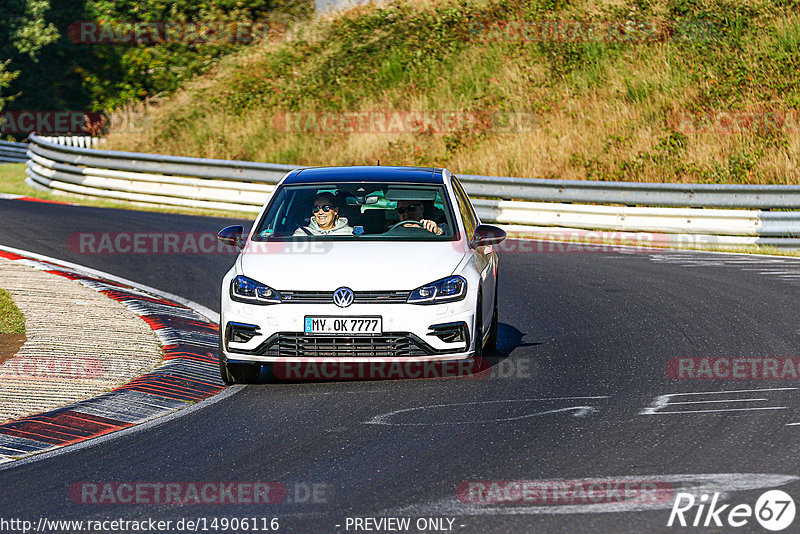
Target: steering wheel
pixel 407 221
pixel 304 229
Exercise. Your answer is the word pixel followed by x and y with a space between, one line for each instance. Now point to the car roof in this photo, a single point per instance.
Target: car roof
pixel 375 173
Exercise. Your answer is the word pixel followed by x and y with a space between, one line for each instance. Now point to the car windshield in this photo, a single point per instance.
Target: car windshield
pixel 352 211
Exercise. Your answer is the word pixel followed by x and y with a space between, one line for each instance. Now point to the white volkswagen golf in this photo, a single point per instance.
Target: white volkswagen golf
pixel 359 264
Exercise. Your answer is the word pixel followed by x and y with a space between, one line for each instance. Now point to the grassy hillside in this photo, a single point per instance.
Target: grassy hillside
pixel 663 91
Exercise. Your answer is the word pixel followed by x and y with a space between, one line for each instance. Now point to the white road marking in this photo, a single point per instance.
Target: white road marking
pixel 663 401
pixel 712 401
pixel 768 266
pixel 725 410
pixel 752 260
pixel 580 411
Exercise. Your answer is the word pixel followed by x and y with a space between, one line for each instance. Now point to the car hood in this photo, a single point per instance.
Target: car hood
pixel 319 265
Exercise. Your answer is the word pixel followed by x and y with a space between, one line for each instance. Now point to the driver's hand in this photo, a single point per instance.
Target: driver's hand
pixel 431 226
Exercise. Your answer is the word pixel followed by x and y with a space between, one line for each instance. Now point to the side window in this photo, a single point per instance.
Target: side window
pixel 464 206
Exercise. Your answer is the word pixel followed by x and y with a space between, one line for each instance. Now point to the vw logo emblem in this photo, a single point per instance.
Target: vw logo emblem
pixel 343 297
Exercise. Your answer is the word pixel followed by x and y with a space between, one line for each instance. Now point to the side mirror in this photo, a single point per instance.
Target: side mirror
pixel 485 235
pixel 232 236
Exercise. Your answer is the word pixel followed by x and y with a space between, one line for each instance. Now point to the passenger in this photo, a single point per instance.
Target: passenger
pixel 414 210
pixel 325 220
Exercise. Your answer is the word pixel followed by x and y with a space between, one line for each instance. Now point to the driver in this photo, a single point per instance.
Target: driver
pixel 325 220
pixel 413 210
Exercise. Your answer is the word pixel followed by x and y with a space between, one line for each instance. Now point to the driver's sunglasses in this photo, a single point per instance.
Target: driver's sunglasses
pixel 410 207
pixel 326 208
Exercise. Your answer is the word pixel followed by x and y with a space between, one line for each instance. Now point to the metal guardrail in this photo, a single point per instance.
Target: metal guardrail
pixel 583 191
pixel 152 178
pixel 635 193
pixel 83 141
pixel 244 186
pixel 159 164
pixel 13 152
pixel 329 6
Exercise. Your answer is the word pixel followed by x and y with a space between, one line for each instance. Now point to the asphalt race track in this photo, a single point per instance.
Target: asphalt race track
pixel 579 390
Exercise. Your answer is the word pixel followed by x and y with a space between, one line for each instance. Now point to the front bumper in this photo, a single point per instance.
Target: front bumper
pixel 276 332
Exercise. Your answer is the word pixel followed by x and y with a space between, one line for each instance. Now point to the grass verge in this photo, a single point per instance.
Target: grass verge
pixel 11 319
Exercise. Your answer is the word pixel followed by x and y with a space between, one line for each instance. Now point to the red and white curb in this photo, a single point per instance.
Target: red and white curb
pixel 9 196
pixel 189 373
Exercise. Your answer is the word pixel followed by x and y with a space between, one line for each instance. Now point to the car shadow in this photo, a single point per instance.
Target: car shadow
pixel 509 338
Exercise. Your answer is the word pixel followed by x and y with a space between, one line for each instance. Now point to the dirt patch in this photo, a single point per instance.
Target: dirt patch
pixel 9 345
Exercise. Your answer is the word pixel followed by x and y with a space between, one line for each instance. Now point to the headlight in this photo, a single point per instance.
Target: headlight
pixel 445 290
pixel 245 289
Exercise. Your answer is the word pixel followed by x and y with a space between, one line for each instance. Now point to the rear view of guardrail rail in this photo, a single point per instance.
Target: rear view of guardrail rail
pixel 152 178
pixel 82 141
pixel 531 204
pixel 13 152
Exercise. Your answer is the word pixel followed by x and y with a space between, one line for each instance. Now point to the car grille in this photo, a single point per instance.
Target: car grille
pixel 384 346
pixel 326 297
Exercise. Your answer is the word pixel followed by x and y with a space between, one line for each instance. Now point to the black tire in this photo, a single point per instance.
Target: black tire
pixel 478 330
pixel 491 341
pixel 243 373
pixel 236 373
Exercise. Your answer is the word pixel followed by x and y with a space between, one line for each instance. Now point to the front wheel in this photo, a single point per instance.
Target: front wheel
pixel 239 373
pixel 236 373
pixel 491 341
pixel 478 330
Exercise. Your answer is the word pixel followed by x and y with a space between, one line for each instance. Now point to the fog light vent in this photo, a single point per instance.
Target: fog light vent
pixel 451 332
pixel 240 332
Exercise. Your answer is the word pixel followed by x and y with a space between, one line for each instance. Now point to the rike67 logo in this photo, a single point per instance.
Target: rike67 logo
pixel 774 510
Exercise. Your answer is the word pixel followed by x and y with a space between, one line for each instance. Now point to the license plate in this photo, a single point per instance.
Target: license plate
pixel 351 326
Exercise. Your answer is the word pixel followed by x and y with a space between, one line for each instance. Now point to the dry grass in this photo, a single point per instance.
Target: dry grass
pixel 604 115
